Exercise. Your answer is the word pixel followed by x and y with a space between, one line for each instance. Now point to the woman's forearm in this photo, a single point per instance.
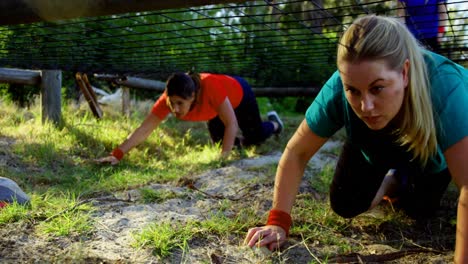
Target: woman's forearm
pixel 461 246
pixel 288 178
pixel 141 133
pixel 229 138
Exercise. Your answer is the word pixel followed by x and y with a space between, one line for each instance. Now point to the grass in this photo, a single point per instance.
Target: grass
pixel 165 237
pixel 56 167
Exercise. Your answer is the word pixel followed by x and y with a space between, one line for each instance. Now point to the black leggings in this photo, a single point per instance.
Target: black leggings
pixel 356 182
pixel 254 130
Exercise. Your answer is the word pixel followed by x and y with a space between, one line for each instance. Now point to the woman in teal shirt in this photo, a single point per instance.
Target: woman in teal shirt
pixel 405 111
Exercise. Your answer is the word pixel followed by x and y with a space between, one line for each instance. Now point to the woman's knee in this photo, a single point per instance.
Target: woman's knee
pixel 347 208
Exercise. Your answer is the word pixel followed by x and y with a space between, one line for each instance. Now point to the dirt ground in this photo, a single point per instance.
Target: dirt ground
pixel 120 215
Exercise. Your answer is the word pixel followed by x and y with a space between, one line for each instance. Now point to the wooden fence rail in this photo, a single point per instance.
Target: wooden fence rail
pixel 50 82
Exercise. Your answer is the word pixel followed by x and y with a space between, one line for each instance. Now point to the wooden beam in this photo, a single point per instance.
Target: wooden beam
pixel 285 91
pixel 28 11
pixel 133 82
pixel 140 83
pixel 18 76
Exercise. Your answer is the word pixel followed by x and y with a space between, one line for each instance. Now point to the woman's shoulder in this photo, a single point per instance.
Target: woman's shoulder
pixel 440 65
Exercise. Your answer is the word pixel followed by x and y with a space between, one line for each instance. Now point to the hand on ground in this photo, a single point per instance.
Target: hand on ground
pixel 109 159
pixel 270 236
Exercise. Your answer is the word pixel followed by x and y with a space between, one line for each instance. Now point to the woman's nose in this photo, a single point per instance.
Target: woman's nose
pixel 367 103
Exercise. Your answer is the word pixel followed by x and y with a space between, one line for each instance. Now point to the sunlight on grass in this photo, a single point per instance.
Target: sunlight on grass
pixel 13 212
pixel 64 215
pixel 163 238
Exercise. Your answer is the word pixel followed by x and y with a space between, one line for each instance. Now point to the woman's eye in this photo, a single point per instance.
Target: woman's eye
pixel 376 89
pixel 353 91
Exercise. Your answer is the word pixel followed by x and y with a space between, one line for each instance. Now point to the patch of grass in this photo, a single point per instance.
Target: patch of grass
pixel 63 216
pixel 222 225
pixel 164 237
pixel 56 216
pixel 13 212
pixel 157 196
pixel 322 180
pixel 314 219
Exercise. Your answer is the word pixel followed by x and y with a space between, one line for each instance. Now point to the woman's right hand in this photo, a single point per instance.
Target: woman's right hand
pixel 270 236
pixel 109 159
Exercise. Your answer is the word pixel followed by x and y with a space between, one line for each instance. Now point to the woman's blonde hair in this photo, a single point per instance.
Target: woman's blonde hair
pixel 383 38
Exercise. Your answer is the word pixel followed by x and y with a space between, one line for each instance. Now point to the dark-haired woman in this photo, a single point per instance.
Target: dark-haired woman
pixel 226 102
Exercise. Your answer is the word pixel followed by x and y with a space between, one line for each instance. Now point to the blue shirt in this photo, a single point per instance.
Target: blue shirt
pixel 330 111
pixel 422 17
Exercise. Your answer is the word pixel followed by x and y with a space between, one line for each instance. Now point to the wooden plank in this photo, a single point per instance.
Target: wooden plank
pixel 28 11
pixel 18 76
pixel 133 82
pixel 286 91
pixel 89 94
pixel 51 96
pixel 141 83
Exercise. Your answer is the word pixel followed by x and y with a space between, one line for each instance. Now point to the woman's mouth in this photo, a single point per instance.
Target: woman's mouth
pixel 371 119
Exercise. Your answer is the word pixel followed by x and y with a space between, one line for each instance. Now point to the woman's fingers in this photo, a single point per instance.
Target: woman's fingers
pixel 255 235
pixel 273 236
pixel 109 159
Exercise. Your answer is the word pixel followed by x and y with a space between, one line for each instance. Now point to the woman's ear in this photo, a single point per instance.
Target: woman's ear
pixel 405 72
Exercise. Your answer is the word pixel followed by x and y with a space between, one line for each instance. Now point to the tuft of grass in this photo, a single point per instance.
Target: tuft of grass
pixel 13 213
pixel 220 224
pixel 164 237
pixel 63 216
pixel 323 179
pixel 157 196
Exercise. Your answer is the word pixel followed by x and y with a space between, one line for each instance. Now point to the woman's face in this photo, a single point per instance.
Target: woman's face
pixel 374 91
pixel 180 106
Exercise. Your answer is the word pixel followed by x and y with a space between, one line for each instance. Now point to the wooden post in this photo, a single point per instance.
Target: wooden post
pixel 51 97
pixel 126 101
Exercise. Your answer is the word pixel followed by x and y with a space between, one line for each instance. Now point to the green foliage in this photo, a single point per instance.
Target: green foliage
pixel 284 105
pixel 22 95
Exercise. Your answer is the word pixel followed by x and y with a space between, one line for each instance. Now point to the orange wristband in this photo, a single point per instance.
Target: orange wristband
pixel 281 219
pixel 117 153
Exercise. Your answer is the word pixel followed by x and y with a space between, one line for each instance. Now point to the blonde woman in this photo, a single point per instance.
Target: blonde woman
pixel 405 112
